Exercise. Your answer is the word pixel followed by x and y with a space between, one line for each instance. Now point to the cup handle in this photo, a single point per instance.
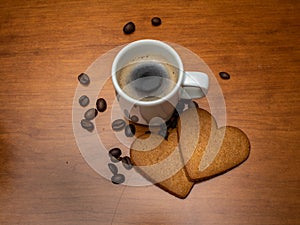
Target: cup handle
pixel 195 85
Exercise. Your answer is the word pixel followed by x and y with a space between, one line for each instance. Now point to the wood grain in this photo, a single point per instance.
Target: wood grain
pixel 44 45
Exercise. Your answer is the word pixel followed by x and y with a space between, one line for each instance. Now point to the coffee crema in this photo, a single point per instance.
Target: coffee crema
pixel 147 78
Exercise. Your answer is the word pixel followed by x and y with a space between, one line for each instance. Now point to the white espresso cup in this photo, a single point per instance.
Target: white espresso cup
pixel 149 80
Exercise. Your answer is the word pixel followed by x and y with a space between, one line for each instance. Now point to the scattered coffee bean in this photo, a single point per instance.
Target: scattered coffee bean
pixel 113 168
pixel 91 114
pixel 101 105
pixel 84 100
pixel 86 124
pixel 84 79
pixel 118 125
pixel 129 28
pixel 129 130
pixel 114 160
pixel 115 152
pixel 224 75
pixel 118 178
pixel 134 119
pixel 127 163
pixel 156 21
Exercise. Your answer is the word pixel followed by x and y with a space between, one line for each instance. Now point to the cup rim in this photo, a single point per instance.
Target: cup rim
pixel 141 42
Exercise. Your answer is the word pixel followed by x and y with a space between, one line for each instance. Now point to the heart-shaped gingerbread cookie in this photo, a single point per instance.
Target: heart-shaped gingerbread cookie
pixel 159 161
pixel 195 151
pixel 206 150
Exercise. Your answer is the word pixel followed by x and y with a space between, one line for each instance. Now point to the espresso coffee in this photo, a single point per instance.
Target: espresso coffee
pixel 147 78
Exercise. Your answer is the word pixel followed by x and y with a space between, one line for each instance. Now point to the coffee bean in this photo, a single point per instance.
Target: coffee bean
pixel 86 124
pixel 91 114
pixel 224 75
pixel 115 155
pixel 134 119
pixel 84 79
pixel 84 100
pixel 156 21
pixel 118 178
pixel 147 132
pixel 129 130
pixel 101 105
pixel 115 152
pixel 113 168
pixel 118 124
pixel 115 160
pixel 127 163
pixel 129 28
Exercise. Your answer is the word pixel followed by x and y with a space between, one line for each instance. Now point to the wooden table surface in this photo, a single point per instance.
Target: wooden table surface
pixel 46 44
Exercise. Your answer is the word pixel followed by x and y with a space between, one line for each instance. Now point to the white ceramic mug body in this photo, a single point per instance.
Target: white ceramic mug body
pixel 145 112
